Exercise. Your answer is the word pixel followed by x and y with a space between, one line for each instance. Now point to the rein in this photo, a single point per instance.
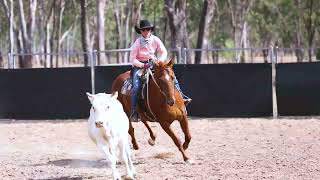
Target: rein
pixel 149 72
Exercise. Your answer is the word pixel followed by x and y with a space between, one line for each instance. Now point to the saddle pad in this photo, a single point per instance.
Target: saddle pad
pixel 127 87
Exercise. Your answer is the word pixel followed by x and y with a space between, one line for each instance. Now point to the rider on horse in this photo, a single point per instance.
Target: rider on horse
pixel 142 55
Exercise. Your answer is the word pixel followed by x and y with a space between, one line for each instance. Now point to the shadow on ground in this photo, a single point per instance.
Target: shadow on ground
pixel 64 178
pixel 77 163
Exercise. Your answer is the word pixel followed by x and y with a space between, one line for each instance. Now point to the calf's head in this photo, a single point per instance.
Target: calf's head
pixel 101 107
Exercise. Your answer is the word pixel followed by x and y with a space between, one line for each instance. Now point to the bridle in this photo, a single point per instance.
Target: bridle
pixel 148 74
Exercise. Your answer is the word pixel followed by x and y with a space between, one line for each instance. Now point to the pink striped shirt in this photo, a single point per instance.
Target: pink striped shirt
pixel 143 50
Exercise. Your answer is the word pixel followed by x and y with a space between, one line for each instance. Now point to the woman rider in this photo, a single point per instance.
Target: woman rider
pixel 144 50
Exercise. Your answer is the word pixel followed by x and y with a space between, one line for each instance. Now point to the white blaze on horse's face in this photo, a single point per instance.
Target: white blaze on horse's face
pixel 167 87
pixel 167 77
pixel 100 107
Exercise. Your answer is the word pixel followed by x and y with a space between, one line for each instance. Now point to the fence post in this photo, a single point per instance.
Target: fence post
pixel 271 54
pixel 274 84
pixel 13 60
pixel 275 49
pixel 179 50
pixel 9 60
pixel 93 55
pixel 184 55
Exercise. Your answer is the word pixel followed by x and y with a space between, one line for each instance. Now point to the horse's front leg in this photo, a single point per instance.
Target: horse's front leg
pixel 166 127
pixel 152 140
pixel 184 124
pixel 133 138
pixel 131 129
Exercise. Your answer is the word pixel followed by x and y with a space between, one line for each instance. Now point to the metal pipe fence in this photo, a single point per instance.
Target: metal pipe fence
pixel 181 56
pixel 229 55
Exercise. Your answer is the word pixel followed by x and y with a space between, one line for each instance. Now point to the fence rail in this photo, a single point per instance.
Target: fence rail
pixel 182 56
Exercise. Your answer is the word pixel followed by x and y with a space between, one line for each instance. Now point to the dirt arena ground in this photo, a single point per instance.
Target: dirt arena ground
pixel 221 148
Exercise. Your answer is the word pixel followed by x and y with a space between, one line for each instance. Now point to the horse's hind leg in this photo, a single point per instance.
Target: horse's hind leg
pixel 133 138
pixel 184 124
pixel 153 136
pixel 166 127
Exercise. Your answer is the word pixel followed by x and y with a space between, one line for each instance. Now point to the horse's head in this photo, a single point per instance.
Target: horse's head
pixel 164 77
pixel 102 107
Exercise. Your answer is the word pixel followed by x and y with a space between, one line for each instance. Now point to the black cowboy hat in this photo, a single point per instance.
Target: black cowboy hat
pixel 144 24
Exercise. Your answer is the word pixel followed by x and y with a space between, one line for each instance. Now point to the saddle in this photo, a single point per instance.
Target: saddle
pixel 128 83
pixel 142 92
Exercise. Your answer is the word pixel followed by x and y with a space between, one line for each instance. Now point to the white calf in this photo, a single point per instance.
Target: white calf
pixel 108 128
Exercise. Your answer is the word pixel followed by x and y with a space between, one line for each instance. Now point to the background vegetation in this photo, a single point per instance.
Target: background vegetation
pixel 55 26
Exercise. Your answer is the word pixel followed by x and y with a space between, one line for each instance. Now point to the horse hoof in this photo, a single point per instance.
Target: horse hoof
pixel 190 161
pixel 185 146
pixel 135 147
pixel 151 142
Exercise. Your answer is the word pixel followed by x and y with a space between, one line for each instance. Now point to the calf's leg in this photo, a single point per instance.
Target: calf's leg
pixel 112 159
pixel 126 158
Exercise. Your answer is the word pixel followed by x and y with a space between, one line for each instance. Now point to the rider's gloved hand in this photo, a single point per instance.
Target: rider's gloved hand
pixel 146 66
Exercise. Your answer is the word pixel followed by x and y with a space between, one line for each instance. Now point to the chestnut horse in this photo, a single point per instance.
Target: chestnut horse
pixel 163 103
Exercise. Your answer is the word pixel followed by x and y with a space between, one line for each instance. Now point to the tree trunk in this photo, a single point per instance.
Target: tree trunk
pixel 136 15
pixel 42 33
pixel 11 34
pixel 8 8
pixel 126 29
pixel 176 11
pixel 101 4
pixel 118 20
pixel 310 24
pixel 85 32
pixel 298 33
pixel 19 45
pixel 1 60
pixel 47 34
pixel 53 32
pixel 238 11
pixel 205 21
pixel 58 30
pixel 27 34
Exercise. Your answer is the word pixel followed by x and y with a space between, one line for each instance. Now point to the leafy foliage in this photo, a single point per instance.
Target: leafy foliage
pixel 269 21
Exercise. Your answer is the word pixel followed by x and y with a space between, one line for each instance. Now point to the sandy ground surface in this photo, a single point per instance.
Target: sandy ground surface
pixel 221 148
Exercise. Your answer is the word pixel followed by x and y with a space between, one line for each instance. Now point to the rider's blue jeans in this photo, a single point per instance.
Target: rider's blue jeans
pixel 136 85
pixel 176 84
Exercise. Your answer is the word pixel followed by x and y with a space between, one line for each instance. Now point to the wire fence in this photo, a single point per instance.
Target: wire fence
pixel 181 56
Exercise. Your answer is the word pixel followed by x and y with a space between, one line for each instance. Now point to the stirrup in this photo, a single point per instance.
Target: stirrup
pixel 134 117
pixel 187 101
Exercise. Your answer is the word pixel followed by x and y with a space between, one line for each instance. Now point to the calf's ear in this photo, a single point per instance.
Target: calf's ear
pixel 90 96
pixel 115 94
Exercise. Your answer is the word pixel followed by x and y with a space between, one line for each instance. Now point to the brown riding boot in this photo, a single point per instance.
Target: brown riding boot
pixel 134 117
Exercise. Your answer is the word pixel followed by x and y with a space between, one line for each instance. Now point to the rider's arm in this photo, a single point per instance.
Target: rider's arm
pixel 134 53
pixel 162 51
